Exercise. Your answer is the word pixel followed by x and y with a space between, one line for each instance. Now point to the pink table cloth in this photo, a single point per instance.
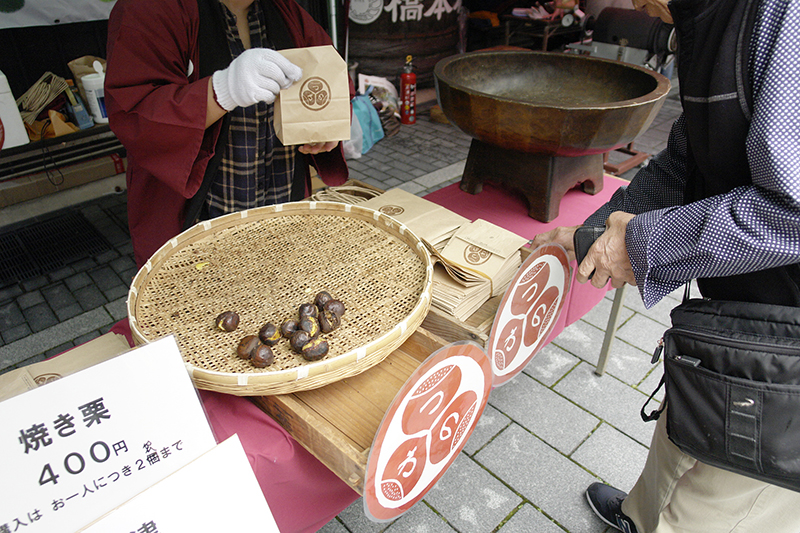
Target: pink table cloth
pixel 508 210
pixel 302 493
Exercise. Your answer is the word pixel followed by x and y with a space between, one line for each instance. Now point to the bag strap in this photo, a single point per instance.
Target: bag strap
pixel 655 413
pixel 687 292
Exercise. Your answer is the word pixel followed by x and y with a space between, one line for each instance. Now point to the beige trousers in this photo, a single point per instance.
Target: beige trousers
pixel 678 494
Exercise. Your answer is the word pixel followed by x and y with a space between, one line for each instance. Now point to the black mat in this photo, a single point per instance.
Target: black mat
pixel 42 247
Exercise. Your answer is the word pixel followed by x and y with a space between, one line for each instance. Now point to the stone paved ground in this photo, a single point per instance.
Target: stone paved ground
pixel 543 438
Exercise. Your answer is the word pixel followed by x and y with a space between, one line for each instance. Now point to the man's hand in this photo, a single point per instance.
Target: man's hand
pixel 560 235
pixel 608 256
pixel 315 148
pixel 256 75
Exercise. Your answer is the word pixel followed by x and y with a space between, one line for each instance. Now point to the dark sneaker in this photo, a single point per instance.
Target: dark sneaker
pixel 606 502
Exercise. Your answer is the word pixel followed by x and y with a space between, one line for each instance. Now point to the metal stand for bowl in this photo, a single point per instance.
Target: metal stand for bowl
pixel 542 179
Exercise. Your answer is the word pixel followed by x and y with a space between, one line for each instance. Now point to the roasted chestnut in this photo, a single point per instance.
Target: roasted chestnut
pixel 321 298
pixel 298 340
pixel 227 321
pixel 269 334
pixel 247 346
pixel 289 327
pixel 307 310
pixel 335 306
pixel 262 356
pixel 328 321
pixel 310 325
pixel 315 349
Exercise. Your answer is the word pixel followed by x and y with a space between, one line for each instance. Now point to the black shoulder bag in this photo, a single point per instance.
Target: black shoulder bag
pixel 732 375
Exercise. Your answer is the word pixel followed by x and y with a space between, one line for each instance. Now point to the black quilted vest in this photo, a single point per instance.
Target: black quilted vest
pixel 716 94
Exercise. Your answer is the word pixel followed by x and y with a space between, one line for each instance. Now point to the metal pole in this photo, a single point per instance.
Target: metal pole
pixel 334 11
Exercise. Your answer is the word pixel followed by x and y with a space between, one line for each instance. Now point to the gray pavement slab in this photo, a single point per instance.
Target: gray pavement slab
pixel 612 456
pixel 543 476
pixel 528 519
pixel 470 498
pixel 553 418
pixel 550 364
pixel 609 399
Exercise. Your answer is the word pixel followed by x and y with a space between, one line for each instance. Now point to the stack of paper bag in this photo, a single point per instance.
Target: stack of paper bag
pixel 430 222
pixel 478 262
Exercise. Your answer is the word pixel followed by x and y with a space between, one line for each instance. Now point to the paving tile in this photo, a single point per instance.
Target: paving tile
pixel 355 520
pixel 659 312
pixel 10 316
pixel 105 278
pixel 355 164
pixel 550 364
pixel 582 340
pixel 61 273
pixel 598 316
pixel 420 518
pixel 32 284
pixel 118 309
pixel 40 317
pixel 30 299
pixel 470 498
pixel 543 412
pixel 391 183
pixel 425 165
pixel 642 332
pixel 609 399
pixel 116 292
pixel 125 248
pixel 548 479
pixel 400 165
pixel 60 333
pixel 334 526
pixel 413 188
pixel 441 175
pixel 106 257
pixel 10 291
pixel 69 311
pixel 77 281
pixel 127 276
pixel 13 334
pixel 77 341
pixel 358 175
pixel 93 212
pixel 490 423
pixel 52 352
pixel 528 519
pixel 84 264
pixel 114 234
pixel 90 297
pixel 628 363
pixel 612 456
pixel 58 296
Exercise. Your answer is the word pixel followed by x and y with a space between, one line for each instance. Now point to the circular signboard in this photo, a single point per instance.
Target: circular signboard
pixel 530 308
pixel 425 428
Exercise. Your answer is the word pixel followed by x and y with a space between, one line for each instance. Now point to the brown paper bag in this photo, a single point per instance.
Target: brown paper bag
pixel 82 66
pixel 317 108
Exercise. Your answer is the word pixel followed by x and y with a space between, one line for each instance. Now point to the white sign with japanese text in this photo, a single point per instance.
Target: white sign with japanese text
pixel 74 449
pixel 217 492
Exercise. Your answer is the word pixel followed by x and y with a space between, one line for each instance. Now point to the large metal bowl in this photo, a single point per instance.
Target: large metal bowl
pixel 548 103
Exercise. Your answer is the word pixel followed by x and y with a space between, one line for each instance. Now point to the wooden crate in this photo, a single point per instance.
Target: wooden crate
pixel 338 422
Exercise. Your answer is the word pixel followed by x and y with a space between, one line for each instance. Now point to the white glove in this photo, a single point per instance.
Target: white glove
pixel 257 75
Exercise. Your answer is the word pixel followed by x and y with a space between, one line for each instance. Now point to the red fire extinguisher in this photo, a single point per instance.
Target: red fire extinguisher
pixel 408 94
